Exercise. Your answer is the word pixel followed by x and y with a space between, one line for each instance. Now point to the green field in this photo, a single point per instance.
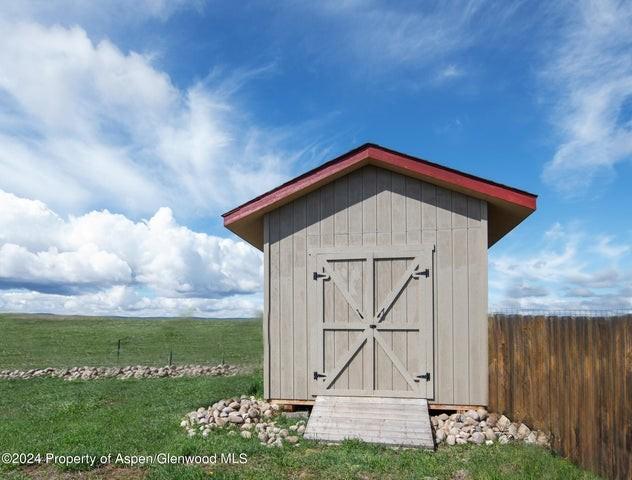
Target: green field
pixel 37 341
pixel 141 417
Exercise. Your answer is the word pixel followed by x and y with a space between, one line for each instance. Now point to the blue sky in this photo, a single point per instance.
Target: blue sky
pixel 126 129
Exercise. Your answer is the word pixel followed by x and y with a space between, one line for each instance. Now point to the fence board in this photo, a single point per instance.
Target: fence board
pixel 493 361
pixel 628 394
pixel 571 376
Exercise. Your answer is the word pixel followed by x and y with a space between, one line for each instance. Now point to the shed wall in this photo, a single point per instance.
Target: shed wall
pixel 374 206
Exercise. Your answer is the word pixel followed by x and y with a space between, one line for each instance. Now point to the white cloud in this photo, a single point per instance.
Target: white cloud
pixel 109 263
pixel 565 271
pixel 607 247
pixel 86 125
pixel 85 266
pixel 430 38
pixel 124 300
pixel 110 11
pixel 449 72
pixel 590 75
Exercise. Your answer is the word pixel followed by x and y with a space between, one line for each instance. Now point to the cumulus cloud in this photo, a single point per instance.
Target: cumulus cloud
pixel 558 274
pixel 105 262
pixel 84 124
pixel 124 300
pixel 590 75
pixel 43 270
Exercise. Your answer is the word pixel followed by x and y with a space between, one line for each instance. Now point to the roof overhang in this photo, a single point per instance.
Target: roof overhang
pixel 507 206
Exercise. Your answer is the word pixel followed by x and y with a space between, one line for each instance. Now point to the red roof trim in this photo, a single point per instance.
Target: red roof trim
pixel 398 160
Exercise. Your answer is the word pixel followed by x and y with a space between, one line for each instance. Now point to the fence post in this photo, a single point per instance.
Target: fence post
pixel 118 351
pixel 170 356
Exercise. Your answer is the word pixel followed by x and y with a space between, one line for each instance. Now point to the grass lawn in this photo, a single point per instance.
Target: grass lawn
pixel 37 341
pixel 141 417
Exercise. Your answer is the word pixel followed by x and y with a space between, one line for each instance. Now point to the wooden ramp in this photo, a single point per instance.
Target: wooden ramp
pixel 388 421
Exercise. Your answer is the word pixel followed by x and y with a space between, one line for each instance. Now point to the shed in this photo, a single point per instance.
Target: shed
pixel 375 277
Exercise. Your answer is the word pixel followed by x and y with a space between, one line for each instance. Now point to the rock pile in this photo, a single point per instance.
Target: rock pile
pixel 132 371
pixel 251 417
pixel 479 426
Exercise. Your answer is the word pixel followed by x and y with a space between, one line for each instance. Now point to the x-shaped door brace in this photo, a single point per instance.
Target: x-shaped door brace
pixel 370 329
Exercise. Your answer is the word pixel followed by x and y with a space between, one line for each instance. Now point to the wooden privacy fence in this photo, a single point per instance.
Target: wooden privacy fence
pixel 571 376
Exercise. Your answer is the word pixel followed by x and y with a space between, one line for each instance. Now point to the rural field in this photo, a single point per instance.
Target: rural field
pixel 142 416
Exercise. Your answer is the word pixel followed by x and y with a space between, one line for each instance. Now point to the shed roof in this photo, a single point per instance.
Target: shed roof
pixel 507 206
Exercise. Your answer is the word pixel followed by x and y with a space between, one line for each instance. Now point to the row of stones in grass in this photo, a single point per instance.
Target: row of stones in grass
pixel 479 426
pixel 127 372
pixel 247 415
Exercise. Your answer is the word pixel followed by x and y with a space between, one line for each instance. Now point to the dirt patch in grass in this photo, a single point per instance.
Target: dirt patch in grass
pixel 461 475
pixel 109 472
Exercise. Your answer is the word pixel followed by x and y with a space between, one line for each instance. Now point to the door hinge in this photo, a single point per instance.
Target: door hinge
pixel 425 376
pixel 422 273
pixel 320 275
pixel 319 375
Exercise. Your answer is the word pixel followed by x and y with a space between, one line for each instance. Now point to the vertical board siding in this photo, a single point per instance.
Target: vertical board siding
pixel 274 322
pixel 571 377
pixel 287 295
pixel 341 307
pixel 460 316
pixel 266 306
pixel 313 241
pixel 299 248
pixel 373 206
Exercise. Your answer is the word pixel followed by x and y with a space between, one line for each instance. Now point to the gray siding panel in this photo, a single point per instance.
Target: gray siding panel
pixel 373 206
pixel 477 298
pixel 266 306
pixel 275 303
pixel 300 355
pixel 313 241
pixel 460 317
pixel 341 307
pixel 444 323
pixel 286 288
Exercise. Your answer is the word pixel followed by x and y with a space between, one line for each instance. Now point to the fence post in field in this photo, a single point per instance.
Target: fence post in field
pixel 170 356
pixel 118 351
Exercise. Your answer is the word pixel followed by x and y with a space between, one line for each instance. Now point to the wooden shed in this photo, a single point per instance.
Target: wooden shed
pixel 375 277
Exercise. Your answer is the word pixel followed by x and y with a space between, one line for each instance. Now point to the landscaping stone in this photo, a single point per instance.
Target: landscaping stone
pixel 542 439
pixel 131 371
pixel 473 415
pixel 492 420
pixel 523 431
pixel 480 427
pixel 235 417
pixel 503 423
pixel 244 414
pixel 482 413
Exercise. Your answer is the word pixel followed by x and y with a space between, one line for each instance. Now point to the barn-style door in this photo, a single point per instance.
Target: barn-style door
pixel 375 329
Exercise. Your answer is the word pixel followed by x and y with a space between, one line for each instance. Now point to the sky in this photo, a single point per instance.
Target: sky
pixel 127 128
